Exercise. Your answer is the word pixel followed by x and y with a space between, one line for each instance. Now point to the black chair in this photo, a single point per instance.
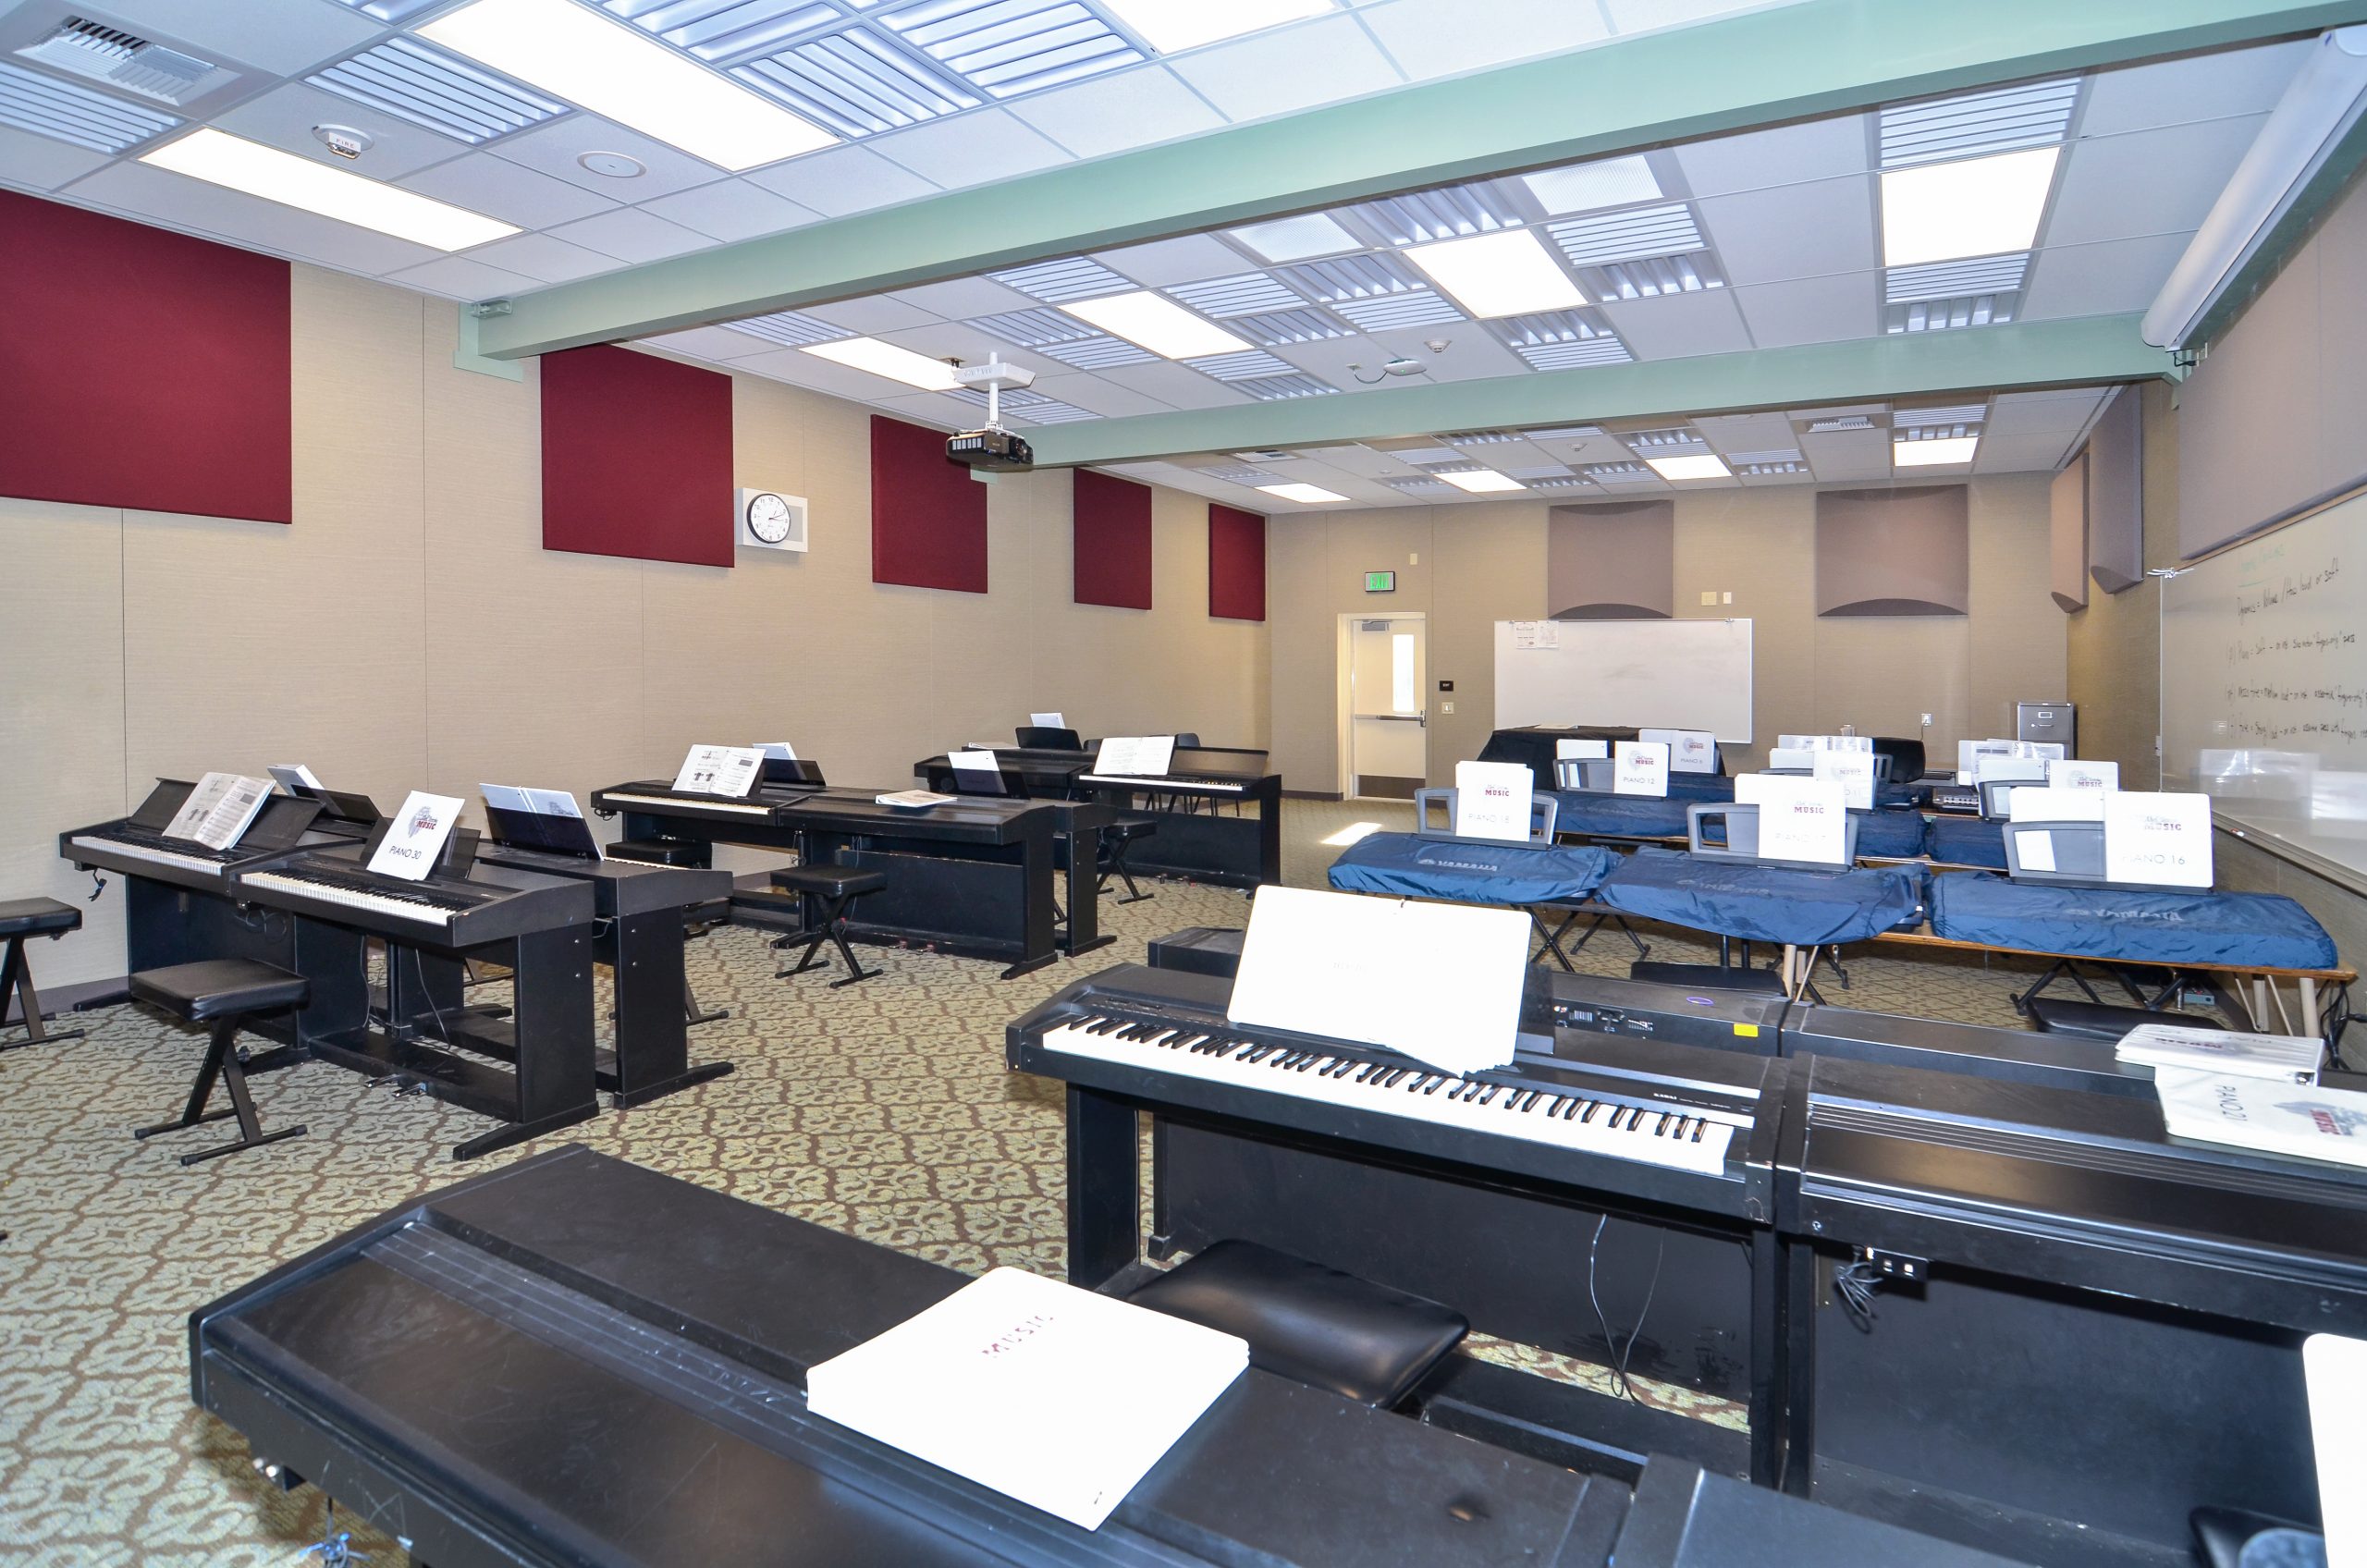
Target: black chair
pixel 1124 829
pixel 837 886
pixel 20 918
pixel 1043 738
pixel 222 994
pixel 1311 1324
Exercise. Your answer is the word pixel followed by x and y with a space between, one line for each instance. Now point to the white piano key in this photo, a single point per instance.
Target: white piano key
pixel 377 903
pixel 205 864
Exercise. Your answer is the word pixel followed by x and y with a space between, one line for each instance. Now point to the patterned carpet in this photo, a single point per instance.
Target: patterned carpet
pixel 882 1109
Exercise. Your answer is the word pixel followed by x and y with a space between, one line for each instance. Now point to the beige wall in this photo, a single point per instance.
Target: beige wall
pixel 1480 564
pixel 408 630
pixel 2116 642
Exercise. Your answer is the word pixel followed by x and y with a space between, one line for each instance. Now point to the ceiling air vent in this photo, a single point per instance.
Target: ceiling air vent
pixel 791 329
pixel 1244 366
pixel 126 60
pixel 1837 423
pixel 1944 315
pixel 1239 296
pixel 1056 283
pixel 1275 389
pixel 1273 328
pixel 47 107
pixel 1973 124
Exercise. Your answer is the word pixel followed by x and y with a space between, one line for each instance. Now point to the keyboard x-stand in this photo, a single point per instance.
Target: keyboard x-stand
pixel 533 1069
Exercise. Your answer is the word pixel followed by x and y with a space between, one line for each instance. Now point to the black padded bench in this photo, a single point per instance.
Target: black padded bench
pixel 2102 1021
pixel 837 886
pixel 222 994
pixel 20 918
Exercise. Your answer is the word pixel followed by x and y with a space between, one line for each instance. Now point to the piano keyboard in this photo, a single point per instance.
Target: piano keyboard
pixel 1150 782
pixel 362 892
pixel 200 860
pixel 680 803
pixel 1687 1139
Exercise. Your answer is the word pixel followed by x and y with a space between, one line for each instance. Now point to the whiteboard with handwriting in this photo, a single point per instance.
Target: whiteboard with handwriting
pixel 2264 685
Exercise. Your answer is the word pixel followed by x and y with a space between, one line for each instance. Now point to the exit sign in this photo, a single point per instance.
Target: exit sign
pixel 1381 583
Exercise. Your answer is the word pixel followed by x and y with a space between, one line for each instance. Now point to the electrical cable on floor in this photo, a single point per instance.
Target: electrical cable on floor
pixel 1619 1358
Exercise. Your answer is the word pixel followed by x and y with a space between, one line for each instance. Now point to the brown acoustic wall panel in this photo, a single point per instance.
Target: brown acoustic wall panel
pixel 2067 538
pixel 2116 497
pixel 1892 552
pixel 1615 562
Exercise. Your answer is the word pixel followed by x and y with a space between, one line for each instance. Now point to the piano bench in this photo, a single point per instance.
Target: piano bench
pixel 658 851
pixel 221 993
pixel 1310 1324
pixel 20 918
pixel 1127 827
pixel 1708 976
pixel 837 886
pixel 2101 1020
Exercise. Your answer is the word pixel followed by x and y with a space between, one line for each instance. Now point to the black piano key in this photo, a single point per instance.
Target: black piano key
pixel 1700 1125
pixel 1575 1105
pixel 1492 1090
pixel 1659 1128
pixel 1592 1105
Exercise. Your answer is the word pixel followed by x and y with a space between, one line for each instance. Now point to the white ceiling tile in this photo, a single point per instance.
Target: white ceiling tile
pixel 731 209
pixel 2147 182
pixel 461 278
pixel 933 407
pixel 38 162
pixel 1176 385
pixel 876 313
pixel 1432 37
pixel 1470 354
pixel 632 234
pixel 288 37
pixel 952 339
pixel 1110 114
pixel 842 180
pixel 2050 416
pixel 1102 397
pixel 2003 453
pixel 1851 449
pixel 1642 16
pixel 1365 463
pixel 2085 397
pixel 1807 230
pixel 1677 325
pixel 1810 310
pixel 967 149
pixel 554 148
pixel 802 369
pixel 544 258
pixel 713 343
pixel 963 298
pixel 138 190
pixel 1184 260
pixel 1747 433
pixel 511 192
pixel 2196 87
pixel 1317 62
pixel 2107 278
pixel 1784 155
pixel 284 117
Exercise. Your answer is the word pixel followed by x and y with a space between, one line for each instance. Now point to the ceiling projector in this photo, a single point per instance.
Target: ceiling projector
pixel 993 448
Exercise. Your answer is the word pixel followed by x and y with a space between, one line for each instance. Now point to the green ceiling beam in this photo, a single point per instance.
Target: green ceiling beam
pixel 2083 352
pixel 1811 58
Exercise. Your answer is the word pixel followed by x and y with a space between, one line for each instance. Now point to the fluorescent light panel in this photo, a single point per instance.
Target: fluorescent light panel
pixel 1157 323
pixel 1169 25
pixel 1499 275
pixel 1926 454
pixel 1308 493
pixel 1482 480
pixel 616 70
pixel 1973 207
pixel 887 360
pixel 1702 465
pixel 220 158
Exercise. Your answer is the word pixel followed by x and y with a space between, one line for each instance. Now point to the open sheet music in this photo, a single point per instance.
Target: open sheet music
pixel 218 809
pixel 719 770
pixel 1135 755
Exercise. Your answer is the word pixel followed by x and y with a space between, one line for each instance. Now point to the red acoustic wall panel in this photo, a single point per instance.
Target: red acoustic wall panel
pixel 1236 564
pixel 1112 528
pixel 636 457
pixel 140 368
pixel 928 517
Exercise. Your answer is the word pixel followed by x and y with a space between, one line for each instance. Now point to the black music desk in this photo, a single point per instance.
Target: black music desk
pixel 1050 772
pixel 974 878
pixel 1524 1237
pixel 2083 1329
pixel 1220 817
pixel 533 1069
pixel 576 1361
pixel 641 908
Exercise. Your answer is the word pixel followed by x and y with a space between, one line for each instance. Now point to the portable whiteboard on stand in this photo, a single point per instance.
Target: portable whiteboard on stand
pixel 1666 674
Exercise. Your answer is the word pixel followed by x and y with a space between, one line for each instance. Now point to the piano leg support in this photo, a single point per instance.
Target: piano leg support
pixel 1105 1198
pixel 221 1063
pixel 17 983
pixel 515 1132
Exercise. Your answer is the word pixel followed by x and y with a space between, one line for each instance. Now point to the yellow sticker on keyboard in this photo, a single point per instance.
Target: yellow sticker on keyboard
pixel 1749 1031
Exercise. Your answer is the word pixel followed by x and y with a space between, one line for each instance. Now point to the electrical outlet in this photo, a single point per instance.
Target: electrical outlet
pixel 1446 707
pixel 1927 721
pixel 1730 597
pixel 1414 557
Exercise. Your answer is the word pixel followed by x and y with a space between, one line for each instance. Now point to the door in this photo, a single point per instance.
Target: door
pixel 1387 726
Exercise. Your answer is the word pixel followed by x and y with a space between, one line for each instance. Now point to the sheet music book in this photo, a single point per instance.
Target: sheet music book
pixel 294 777
pixel 1135 755
pixel 977 760
pixel 1059 1397
pixel 2305 1121
pixel 1854 771
pixel 1581 750
pixel 1441 983
pixel 2334 1369
pixel 1047 721
pixel 776 751
pixel 2290 1059
pixel 914 800
pixel 719 770
pixel 530 803
pixel 1800 819
pixel 415 836
pixel 218 809
pixel 2053 802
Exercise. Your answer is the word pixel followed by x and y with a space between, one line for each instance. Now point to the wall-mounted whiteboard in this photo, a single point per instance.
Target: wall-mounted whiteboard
pixel 1668 674
pixel 2264 687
